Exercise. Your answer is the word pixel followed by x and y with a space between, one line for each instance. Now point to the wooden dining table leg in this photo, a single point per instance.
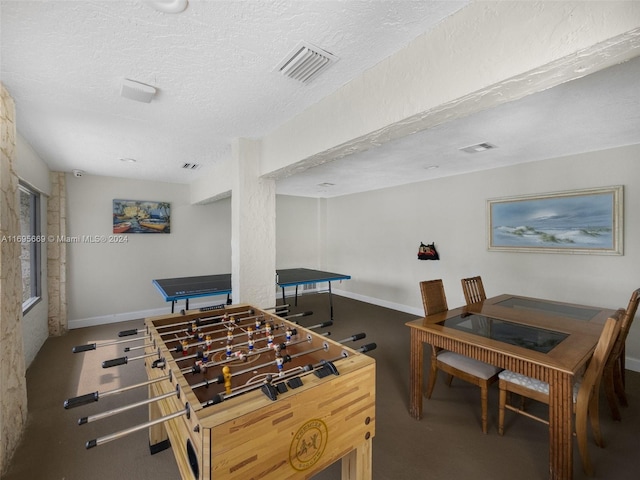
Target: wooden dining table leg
pixel 415 373
pixel 560 425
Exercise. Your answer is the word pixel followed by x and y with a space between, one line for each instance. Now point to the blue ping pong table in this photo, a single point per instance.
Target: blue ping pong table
pixel 184 288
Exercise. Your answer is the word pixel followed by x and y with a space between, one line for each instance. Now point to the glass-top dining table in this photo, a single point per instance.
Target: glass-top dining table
pixel 544 339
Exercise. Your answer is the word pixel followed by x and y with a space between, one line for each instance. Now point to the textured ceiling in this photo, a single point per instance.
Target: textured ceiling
pixel 213 67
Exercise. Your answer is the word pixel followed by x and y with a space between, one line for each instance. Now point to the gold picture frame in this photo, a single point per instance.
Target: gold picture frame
pixel 587 221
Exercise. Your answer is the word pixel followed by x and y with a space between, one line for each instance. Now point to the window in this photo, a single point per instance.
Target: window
pixel 31 239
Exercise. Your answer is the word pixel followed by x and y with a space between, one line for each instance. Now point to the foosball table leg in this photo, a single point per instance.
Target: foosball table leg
pixel 158 437
pixel 356 465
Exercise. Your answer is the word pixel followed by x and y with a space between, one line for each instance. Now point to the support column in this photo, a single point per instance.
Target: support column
pixel 57 255
pixel 253 228
pixel 13 385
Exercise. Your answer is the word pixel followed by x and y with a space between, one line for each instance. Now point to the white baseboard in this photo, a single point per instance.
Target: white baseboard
pixel 630 363
pixel 418 312
pixel 141 314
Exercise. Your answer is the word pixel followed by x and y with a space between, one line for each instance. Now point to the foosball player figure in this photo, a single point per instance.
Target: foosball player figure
pixel 270 340
pixel 249 332
pixel 232 320
pixel 259 322
pixel 250 344
pixel 207 342
pixel 280 365
pixel 229 336
pixel 229 349
pixel 267 328
pixel 185 347
pixel 200 336
pixel 287 334
pixel 201 366
pixel 193 328
pixel 226 373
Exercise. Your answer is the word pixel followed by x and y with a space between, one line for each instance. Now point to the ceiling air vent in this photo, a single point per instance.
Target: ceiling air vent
pixel 191 166
pixel 305 62
pixel 479 147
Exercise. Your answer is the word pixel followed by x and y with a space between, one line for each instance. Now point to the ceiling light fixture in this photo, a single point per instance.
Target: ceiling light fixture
pixel 326 184
pixel 478 147
pixel 140 92
pixel 168 6
pixel 305 62
pixel 431 167
pixel 128 160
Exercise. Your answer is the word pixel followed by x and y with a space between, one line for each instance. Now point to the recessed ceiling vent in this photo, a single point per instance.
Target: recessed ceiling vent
pixel 191 166
pixel 306 62
pixel 479 147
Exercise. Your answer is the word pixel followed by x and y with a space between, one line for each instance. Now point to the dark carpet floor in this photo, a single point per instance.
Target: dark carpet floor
pixel 446 444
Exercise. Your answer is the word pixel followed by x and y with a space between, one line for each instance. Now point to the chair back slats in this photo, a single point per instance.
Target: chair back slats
pixel 433 296
pixel 625 325
pixel 473 290
pixel 593 373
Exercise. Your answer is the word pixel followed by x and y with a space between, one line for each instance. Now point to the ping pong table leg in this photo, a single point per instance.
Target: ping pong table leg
pixel 283 300
pixel 173 304
pixel 186 303
pixel 296 299
pixel 330 303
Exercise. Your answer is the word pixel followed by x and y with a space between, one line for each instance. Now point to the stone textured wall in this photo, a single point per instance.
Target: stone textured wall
pixel 13 387
pixel 57 255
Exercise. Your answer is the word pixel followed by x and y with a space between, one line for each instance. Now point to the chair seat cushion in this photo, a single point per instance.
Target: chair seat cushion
pixel 532 383
pixel 466 364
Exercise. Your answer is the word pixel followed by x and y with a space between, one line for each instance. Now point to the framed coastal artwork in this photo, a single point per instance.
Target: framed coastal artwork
pixel 576 222
pixel 137 216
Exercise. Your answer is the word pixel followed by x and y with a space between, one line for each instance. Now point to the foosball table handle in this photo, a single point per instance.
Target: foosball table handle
pixel 126 333
pixel 368 347
pixel 114 362
pixel 81 400
pixel 83 348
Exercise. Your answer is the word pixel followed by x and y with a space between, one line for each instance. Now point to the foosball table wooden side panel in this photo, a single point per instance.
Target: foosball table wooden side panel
pixel 304 431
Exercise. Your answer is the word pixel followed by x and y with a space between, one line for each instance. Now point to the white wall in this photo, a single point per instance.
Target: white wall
pixel 113 281
pixel 31 169
pixel 374 237
pixel 297 232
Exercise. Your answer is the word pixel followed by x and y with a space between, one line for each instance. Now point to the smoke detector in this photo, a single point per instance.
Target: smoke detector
pixel 140 92
pixel 306 62
pixel 168 6
pixel 478 147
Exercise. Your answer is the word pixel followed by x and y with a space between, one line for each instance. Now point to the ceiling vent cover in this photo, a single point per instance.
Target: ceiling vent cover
pixel 306 62
pixel 191 166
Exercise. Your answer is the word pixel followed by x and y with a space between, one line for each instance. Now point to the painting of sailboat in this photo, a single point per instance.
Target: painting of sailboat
pixel 579 221
pixel 136 216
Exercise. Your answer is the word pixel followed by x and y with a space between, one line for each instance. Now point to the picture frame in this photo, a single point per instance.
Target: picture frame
pixel 141 216
pixel 587 221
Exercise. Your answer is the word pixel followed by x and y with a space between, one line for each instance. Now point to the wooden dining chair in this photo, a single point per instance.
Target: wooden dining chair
pixel 585 391
pixel 453 364
pixel 473 289
pixel 613 375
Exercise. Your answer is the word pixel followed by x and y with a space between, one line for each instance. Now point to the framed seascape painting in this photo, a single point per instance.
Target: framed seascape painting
pixel 578 221
pixel 136 216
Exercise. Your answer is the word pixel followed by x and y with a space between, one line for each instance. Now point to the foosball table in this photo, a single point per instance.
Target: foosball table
pixel 241 392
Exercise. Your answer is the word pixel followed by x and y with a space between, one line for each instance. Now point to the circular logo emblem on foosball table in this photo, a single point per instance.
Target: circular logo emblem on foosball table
pixel 308 444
